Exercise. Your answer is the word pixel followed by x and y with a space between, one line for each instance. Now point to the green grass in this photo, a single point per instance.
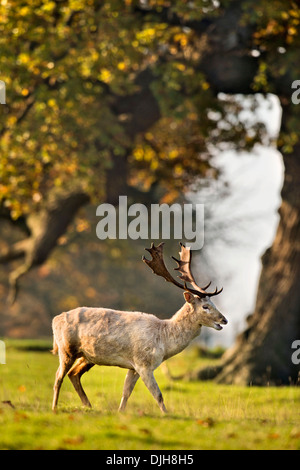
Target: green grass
pixel 202 415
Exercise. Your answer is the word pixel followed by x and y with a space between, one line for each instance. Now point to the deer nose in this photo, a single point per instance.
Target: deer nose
pixel 224 321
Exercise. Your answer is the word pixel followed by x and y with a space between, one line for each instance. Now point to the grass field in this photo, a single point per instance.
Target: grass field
pixel 202 415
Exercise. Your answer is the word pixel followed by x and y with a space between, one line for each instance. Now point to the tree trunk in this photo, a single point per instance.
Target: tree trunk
pixel 262 353
pixel 44 229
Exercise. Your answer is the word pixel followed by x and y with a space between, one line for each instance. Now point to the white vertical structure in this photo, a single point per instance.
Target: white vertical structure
pixel 2 353
pixel 2 92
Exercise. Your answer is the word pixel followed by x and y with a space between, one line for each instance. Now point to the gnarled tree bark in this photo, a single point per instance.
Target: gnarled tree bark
pixel 262 353
pixel 44 227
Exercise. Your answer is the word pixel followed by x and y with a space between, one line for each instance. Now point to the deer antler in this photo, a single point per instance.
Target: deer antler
pixel 184 267
pixel 158 267
pixel 157 263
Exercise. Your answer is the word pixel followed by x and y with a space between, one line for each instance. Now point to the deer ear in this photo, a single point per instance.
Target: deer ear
pixel 188 297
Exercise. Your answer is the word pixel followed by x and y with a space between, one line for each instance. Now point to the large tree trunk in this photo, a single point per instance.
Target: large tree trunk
pixel 262 353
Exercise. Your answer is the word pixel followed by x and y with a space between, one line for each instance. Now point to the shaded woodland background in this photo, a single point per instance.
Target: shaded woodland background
pixel 134 98
pixel 85 271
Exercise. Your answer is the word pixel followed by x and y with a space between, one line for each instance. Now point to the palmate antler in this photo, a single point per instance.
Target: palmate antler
pixel 184 267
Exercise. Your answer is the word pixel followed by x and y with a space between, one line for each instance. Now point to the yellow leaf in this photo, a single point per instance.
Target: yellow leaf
pixel 105 75
pixel 11 120
pixel 294 13
pixel 24 11
pixel 23 58
pixel 51 103
pixel 154 164
pixel 121 66
pixel 173 154
pixel 284 15
pixel 292 31
pixel 205 85
pixel 138 153
pixel 3 189
pixel 181 67
pixel 169 197
pixel 178 170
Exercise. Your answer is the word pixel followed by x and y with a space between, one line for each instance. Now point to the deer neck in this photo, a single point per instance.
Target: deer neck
pixel 180 330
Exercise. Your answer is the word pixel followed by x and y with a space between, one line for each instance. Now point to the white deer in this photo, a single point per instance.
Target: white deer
pixel 136 341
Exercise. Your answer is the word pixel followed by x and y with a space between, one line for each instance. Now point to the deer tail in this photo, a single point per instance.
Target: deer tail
pixel 55 347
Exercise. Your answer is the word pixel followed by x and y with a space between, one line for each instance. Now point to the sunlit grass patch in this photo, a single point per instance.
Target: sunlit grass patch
pixel 202 415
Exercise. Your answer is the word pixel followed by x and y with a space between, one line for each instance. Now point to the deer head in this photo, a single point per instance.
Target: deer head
pixel 198 298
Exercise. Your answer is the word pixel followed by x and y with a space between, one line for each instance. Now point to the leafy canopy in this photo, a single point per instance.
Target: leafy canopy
pixel 68 63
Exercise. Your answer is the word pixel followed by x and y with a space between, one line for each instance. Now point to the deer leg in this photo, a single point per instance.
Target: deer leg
pixel 150 382
pixel 130 381
pixel 66 363
pixel 78 369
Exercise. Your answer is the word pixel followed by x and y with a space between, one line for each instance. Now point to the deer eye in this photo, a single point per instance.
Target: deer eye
pixel 205 307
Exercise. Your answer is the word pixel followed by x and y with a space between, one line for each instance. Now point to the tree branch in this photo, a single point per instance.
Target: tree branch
pixel 46 226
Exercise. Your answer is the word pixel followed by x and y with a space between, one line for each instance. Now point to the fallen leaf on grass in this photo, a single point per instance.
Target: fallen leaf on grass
pixel 264 421
pixel 145 431
pixel 123 427
pixel 74 441
pixel 18 416
pixel 206 423
pixel 274 435
pixel 295 434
